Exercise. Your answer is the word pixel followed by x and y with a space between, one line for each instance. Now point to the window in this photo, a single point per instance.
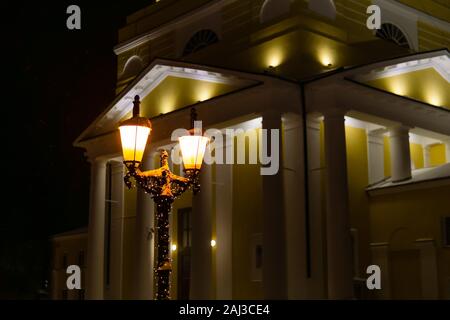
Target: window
pixel 272 9
pixel 446 231
pixel 200 40
pixel 392 33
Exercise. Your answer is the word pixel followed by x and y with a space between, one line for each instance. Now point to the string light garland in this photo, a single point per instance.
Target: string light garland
pixel 164 187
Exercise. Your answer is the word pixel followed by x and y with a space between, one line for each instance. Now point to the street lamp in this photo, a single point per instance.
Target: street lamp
pixel 161 183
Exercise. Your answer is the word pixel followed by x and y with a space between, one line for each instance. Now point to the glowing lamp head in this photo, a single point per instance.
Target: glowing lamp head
pixel 193 149
pixel 134 135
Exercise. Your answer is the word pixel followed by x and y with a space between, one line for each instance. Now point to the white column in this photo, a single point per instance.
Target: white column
pixel 428 268
pixel 274 223
pixel 96 232
pixel 426 156
pixel 400 153
pixel 380 257
pixel 294 203
pixel 340 265
pixel 144 239
pixel 224 229
pixel 447 151
pixel 116 241
pixel 315 173
pixel 201 259
pixel 375 149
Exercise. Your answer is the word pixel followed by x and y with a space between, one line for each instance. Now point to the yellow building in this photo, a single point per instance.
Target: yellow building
pixel 68 248
pixel 363 176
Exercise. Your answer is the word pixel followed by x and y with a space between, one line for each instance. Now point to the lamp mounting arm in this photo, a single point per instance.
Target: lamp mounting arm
pixel 162 181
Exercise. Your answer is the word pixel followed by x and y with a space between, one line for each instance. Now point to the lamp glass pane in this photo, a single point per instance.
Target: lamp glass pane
pixel 192 151
pixel 134 140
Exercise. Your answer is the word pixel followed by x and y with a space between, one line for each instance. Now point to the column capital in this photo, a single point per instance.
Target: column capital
pixel 399 129
pixel 98 162
pixel 425 243
pixel 375 138
pixel 313 121
pixel 271 114
pixel 334 113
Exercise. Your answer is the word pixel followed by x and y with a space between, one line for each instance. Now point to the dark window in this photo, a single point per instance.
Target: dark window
pixel 184 252
pixel 392 33
pixel 447 231
pixel 200 40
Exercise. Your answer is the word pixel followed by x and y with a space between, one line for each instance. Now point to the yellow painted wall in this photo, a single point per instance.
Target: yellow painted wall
pixel 71 247
pixel 213 234
pixel 437 155
pixel 247 220
pixel 425 85
pixel 358 180
pixel 416 151
pixel 387 157
pixel 401 218
pixel 185 201
pixel 417 155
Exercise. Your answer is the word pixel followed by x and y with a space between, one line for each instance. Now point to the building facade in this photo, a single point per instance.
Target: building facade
pixel 68 248
pixel 363 175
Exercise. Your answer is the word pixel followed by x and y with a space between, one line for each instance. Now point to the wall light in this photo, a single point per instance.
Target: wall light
pixel 274 57
pixel 204 94
pixel 213 243
pixel 398 87
pixel 433 97
pixel 174 247
pixel 326 57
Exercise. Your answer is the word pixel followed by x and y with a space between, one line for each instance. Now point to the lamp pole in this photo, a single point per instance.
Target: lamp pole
pixel 163 185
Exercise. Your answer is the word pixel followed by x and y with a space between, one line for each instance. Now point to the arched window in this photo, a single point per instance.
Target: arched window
pixel 392 33
pixel 325 8
pixel 272 9
pixel 132 67
pixel 200 40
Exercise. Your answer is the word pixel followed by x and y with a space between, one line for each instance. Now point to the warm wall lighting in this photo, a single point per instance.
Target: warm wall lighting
pixel 433 98
pixel 174 247
pixel 326 58
pixel 204 94
pixel 398 87
pixel 274 57
pixel 213 243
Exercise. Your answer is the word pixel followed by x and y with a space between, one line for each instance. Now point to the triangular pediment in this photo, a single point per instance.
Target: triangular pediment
pixel 424 78
pixel 164 87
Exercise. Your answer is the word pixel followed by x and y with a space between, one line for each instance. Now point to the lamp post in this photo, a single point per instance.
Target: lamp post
pixel 163 185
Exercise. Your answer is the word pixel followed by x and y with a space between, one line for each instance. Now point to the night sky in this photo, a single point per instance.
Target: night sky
pixel 61 80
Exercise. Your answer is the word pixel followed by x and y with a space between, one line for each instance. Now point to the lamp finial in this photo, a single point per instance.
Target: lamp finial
pixel 193 117
pixel 136 106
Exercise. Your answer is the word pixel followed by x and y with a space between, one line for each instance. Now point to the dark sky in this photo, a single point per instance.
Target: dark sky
pixel 61 80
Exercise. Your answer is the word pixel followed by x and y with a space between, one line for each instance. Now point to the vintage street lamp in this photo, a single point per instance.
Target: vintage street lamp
pixel 161 184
